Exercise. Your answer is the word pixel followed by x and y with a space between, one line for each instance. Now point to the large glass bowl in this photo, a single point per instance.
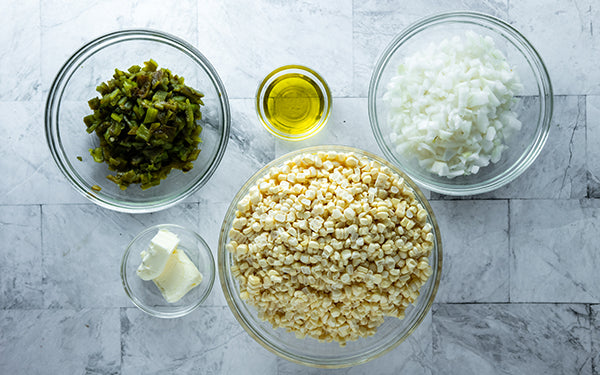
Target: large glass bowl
pixel 309 351
pixel 534 109
pixel 76 83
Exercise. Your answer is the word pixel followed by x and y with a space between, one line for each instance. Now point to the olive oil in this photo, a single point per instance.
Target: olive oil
pixel 293 104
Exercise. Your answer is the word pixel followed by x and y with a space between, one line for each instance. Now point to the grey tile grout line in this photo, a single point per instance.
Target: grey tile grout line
pixel 589 306
pixel 121 342
pixel 519 303
pixel 509 242
pixel 89 203
pixel 492 199
pixel 43 299
pixel 353 50
pixel 588 179
pixel 197 15
pixel 592 346
pixel 41 87
pixel 580 99
pixel 226 307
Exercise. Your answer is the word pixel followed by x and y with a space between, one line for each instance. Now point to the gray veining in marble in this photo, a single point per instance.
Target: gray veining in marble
pixel 592 142
pixel 209 341
pixel 377 22
pixel 60 341
pixel 563 33
pixel 210 216
pixel 21 262
pixel 595 333
pixel 559 171
pixel 264 37
pixel 512 339
pixel 68 26
pixel 554 251
pixel 34 178
pixel 92 241
pixel 475 245
pixel 20 59
pixel 520 287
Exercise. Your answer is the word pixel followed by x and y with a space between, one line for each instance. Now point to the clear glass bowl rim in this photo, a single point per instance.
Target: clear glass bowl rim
pixel 223 265
pixel 210 278
pixel 326 94
pixel 540 72
pixel 59 85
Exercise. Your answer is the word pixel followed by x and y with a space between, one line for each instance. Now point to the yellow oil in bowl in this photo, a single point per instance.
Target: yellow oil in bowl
pixel 293 102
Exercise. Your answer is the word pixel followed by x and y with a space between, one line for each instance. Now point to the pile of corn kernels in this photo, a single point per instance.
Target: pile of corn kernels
pixel 328 244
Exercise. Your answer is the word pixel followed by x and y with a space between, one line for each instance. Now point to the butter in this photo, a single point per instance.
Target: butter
pixel 179 276
pixel 155 258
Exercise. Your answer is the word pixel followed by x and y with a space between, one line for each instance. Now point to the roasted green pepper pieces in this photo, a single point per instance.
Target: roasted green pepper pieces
pixel 147 122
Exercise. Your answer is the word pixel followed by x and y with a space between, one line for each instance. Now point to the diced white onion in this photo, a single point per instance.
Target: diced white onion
pixel 450 105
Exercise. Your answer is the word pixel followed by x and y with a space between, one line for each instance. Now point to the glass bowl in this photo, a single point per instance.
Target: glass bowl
pixel 302 119
pixel 309 351
pixel 146 295
pixel 534 108
pixel 76 83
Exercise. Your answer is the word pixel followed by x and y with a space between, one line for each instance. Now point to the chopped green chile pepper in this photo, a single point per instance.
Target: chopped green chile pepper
pixel 143 133
pixel 97 154
pixel 147 122
pixel 151 115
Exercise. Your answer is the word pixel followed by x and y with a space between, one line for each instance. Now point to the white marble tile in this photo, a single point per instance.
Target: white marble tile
pixel 563 34
pixel 66 27
pixel 592 145
pixel 34 177
pixel 208 341
pixel 511 339
pixel 21 257
pixel 82 250
pixel 554 251
pixel 475 251
pixel 60 341
pixel 180 20
pixel 211 215
pixel 376 23
pixel 559 172
pixel 413 356
pixel 250 148
pixel 268 34
pixel 20 58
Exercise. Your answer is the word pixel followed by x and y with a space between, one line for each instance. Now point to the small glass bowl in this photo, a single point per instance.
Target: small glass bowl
pixel 534 108
pixel 264 105
pixel 146 295
pixel 309 351
pixel 76 83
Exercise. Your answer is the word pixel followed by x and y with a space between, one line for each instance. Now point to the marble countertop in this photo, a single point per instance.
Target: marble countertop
pixel 520 285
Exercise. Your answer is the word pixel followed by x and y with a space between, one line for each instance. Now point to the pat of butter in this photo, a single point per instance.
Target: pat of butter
pixel 155 258
pixel 179 277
